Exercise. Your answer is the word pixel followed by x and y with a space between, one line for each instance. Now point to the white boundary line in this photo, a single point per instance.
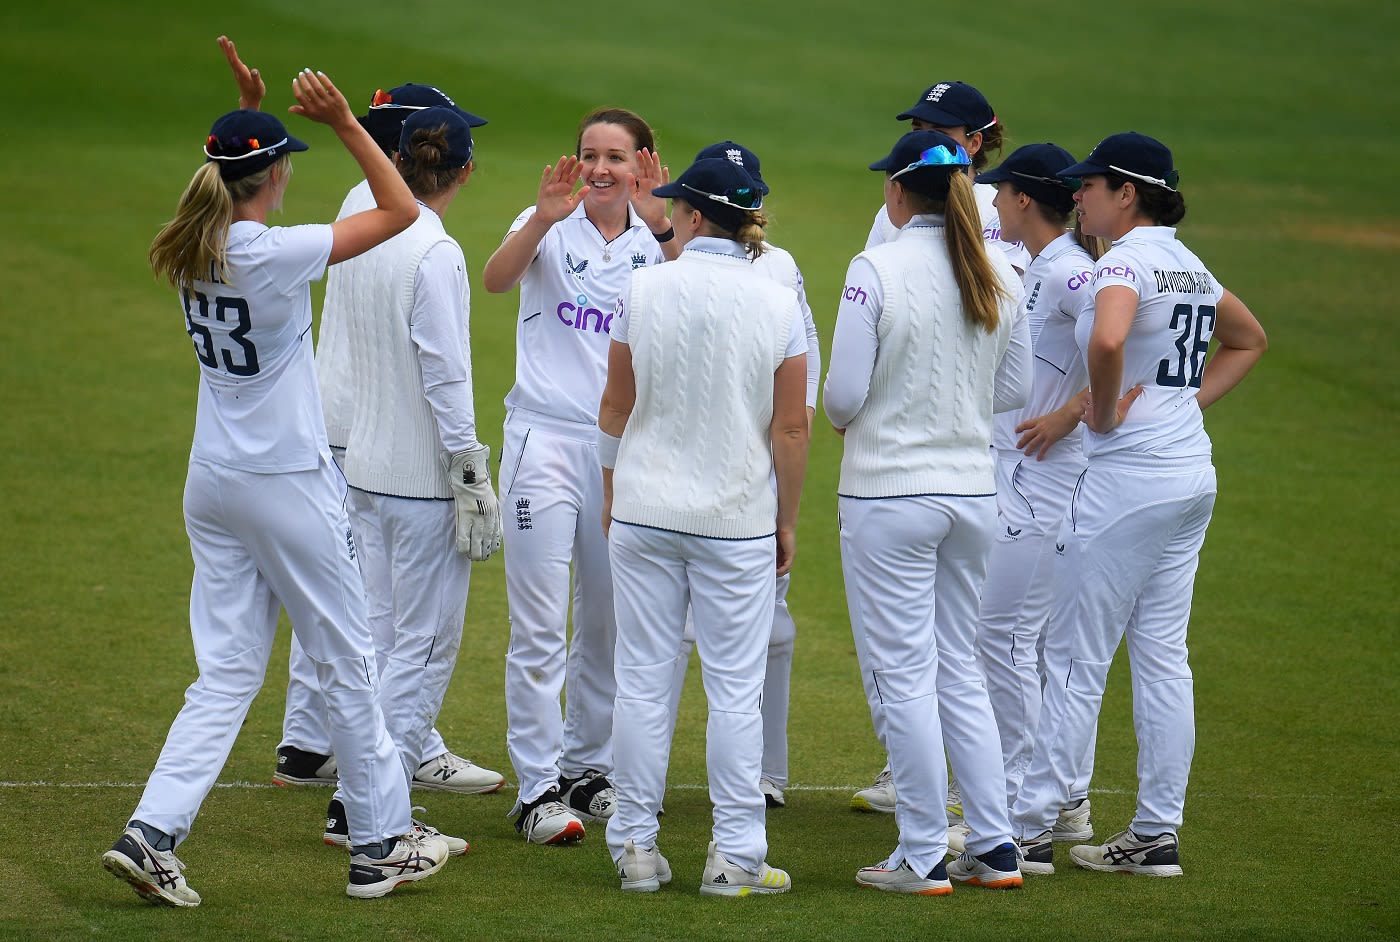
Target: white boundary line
pixel 681 786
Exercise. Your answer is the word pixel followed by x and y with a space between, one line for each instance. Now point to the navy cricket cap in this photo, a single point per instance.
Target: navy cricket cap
pixel 739 154
pixel 719 188
pixel 1034 170
pixel 919 149
pixel 952 105
pixel 244 142
pixel 459 133
pixel 388 110
pixel 1129 154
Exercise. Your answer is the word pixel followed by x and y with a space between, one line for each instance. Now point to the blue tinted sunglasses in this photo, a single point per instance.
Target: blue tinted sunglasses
pixel 937 156
pixel 745 197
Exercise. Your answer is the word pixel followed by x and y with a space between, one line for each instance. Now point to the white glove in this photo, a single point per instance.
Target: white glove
pixel 478 511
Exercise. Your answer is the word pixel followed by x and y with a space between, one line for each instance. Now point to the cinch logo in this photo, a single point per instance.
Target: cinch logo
pixel 578 316
pixel 1079 279
pixel 1122 271
pixel 936 93
pixel 852 293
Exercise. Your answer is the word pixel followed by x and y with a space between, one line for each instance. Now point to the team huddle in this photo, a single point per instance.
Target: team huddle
pixel 1018 371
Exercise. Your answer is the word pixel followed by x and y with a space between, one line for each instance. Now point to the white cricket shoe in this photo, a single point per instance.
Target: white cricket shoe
pixel 723 877
pixel 642 871
pixel 905 879
pixel 878 797
pixel 156 875
pixel 1127 852
pixel 589 796
pixel 1036 855
pixel 997 869
pixel 547 820
pixel 414 857
pixel 957 838
pixel 1073 822
pixel 452 773
pixel 772 794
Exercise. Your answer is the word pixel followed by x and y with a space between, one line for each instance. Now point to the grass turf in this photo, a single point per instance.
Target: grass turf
pixel 1271 110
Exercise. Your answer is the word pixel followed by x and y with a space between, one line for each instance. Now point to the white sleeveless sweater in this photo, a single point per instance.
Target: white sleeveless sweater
pixel 706 334
pixel 394 442
pixel 926 424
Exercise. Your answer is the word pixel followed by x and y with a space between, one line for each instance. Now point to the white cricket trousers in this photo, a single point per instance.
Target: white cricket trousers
pixel 416 594
pixel 1132 541
pixel 1032 497
pixel 262 542
pixel 913 569
pixel 304 723
pixel 552 515
pixel 729 586
pixel 777 684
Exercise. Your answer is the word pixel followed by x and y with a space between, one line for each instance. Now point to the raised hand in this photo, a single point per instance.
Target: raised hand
pixel 557 199
pixel 319 100
pixel 251 88
pixel 651 173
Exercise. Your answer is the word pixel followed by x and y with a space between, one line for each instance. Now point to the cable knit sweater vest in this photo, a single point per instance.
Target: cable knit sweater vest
pixel 926 424
pixel 707 334
pixel 394 444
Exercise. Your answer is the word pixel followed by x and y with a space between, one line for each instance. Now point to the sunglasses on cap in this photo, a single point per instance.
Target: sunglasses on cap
pixel 1173 178
pixel 216 149
pixel 937 156
pixel 745 197
pixel 1067 183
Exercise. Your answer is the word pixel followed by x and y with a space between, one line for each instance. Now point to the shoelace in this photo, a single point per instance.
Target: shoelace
pixel 421 827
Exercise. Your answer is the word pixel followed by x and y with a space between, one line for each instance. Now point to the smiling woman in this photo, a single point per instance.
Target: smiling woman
pixel 572 254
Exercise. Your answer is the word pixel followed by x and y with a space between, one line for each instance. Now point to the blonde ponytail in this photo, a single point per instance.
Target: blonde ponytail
pixel 978 284
pixel 193 245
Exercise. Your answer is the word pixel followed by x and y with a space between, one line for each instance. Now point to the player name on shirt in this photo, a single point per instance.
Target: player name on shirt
pixel 1184 282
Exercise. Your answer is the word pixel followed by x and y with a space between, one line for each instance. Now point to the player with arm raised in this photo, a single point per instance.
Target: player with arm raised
pixel 264 502
pixel 572 255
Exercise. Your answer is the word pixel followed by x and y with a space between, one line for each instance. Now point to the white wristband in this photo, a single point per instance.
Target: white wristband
pixel 607 449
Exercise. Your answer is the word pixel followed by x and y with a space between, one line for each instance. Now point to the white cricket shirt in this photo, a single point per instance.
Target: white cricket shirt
pixel 259 406
pixel 1166 348
pixel 569 297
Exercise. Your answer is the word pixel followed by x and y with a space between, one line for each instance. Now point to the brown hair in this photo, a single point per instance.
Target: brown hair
pixel 1164 207
pixel 993 139
pixel 1094 245
pixel 423 165
pixel 641 132
pixel 738 225
pixel 948 191
pixel 193 244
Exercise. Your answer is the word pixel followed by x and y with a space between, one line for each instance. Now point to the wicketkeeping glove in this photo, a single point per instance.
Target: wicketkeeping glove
pixel 478 511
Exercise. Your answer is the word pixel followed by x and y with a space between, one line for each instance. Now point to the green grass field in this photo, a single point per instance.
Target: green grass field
pixel 1285 125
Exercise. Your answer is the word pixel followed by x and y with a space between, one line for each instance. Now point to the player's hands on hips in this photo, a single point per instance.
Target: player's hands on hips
pixel 319 100
pixel 1124 404
pixel 651 173
pixel 1040 433
pixel 787 549
pixel 251 88
pixel 478 511
pixel 557 199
